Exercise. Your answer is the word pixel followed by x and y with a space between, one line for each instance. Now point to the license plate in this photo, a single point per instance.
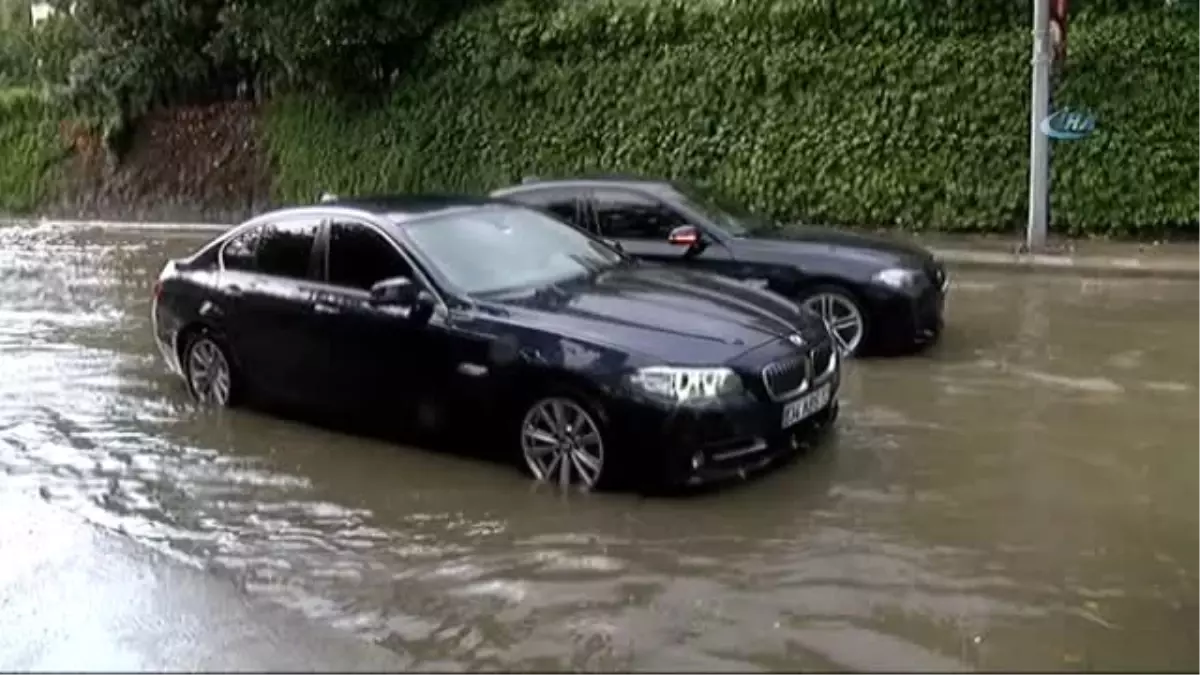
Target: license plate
pixel 805 406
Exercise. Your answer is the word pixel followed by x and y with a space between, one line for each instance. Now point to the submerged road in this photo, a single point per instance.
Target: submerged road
pixel 77 598
pixel 1023 497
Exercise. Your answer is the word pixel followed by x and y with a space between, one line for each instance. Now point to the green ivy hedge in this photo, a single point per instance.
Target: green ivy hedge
pixel 30 146
pixel 17 59
pixel 863 118
pixel 1139 171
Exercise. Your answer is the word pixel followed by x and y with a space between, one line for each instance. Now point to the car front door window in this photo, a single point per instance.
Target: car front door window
pixel 630 216
pixel 375 361
pixel 359 257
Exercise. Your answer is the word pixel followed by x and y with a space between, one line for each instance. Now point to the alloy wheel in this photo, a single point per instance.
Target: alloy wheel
pixel 844 317
pixel 209 374
pixel 561 443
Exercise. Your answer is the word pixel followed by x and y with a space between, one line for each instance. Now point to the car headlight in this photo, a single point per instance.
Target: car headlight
pixel 897 277
pixel 686 385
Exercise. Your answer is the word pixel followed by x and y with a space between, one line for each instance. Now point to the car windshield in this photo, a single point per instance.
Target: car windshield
pixel 731 217
pixel 498 249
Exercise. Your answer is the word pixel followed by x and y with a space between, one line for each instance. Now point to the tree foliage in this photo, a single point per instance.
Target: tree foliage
pixel 124 57
pixel 14 14
pixel 906 113
pixel 29 149
pixel 340 44
pixel 118 58
pixel 867 121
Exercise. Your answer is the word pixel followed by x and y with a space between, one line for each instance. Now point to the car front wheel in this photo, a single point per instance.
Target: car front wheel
pixel 209 370
pixel 842 312
pixel 562 441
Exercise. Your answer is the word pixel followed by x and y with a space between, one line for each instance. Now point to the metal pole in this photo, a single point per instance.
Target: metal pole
pixel 1039 144
pixel 1050 110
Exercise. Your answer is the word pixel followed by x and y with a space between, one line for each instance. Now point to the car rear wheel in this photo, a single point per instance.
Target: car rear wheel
pixel 841 311
pixel 209 369
pixel 562 442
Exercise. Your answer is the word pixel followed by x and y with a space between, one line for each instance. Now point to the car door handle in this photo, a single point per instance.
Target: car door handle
pixel 326 308
pixel 233 290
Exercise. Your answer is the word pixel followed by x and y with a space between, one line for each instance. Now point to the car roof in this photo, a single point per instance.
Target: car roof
pixel 607 180
pixel 406 206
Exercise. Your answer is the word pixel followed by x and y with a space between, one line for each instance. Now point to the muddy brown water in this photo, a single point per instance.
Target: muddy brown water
pixel 1022 497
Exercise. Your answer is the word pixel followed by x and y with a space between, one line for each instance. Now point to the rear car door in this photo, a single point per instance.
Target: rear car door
pixel 378 362
pixel 642 225
pixel 265 310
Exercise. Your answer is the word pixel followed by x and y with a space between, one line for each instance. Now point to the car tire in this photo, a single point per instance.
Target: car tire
pixel 562 438
pixel 834 303
pixel 209 370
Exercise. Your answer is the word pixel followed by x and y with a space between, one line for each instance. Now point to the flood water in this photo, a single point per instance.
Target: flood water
pixel 1023 497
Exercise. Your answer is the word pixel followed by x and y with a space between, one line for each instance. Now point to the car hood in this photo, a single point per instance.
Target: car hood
pixel 861 246
pixel 675 316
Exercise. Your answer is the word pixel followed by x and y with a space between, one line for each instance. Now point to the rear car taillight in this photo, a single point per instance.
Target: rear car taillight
pixel 158 286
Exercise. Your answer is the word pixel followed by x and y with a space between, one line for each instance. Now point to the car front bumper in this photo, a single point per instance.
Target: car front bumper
pixel 688 445
pixel 904 322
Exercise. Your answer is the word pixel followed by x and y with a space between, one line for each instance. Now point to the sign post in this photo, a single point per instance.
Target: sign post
pixel 1058 38
pixel 1039 143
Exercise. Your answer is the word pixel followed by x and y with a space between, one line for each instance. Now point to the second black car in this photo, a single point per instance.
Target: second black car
pixel 878 294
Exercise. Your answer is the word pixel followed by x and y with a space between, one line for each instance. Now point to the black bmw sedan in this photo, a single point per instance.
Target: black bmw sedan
pixel 590 367
pixel 879 295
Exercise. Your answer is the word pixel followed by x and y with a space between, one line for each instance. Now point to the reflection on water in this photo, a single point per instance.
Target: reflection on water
pixel 1024 497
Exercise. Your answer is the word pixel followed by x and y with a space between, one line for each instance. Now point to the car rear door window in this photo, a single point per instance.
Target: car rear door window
pixel 285 248
pixel 621 214
pixel 359 257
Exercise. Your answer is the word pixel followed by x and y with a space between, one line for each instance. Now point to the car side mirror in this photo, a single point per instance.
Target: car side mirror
pixel 615 244
pixel 684 235
pixel 400 293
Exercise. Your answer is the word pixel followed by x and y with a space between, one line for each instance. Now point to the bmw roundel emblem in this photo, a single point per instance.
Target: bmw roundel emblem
pixel 796 339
